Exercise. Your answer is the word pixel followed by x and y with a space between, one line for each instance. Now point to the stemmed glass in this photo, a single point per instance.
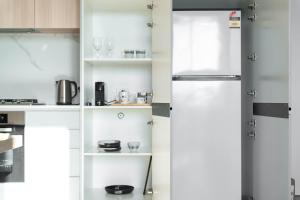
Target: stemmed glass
pixel 98 45
pixel 109 47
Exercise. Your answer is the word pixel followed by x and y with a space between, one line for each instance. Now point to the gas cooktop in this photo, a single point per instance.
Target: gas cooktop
pixel 19 102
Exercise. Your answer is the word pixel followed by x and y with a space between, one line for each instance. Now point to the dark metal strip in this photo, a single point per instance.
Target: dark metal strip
pixel 161 109
pixel 206 9
pixel 17 30
pixel 206 78
pixel 279 110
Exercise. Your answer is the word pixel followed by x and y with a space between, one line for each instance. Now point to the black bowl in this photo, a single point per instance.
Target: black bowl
pixel 112 149
pixel 119 189
pixel 109 144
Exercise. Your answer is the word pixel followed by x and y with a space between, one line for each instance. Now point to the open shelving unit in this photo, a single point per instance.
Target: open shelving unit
pixel 125 23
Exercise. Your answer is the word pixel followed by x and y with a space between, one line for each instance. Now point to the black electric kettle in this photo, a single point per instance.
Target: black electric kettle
pixel 64 92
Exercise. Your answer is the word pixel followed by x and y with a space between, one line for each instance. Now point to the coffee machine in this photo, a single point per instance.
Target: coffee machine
pixel 99 94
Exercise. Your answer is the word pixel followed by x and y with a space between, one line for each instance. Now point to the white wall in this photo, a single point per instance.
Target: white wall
pixel 31 63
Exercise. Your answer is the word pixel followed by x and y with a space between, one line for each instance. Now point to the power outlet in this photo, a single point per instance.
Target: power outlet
pixel 3 118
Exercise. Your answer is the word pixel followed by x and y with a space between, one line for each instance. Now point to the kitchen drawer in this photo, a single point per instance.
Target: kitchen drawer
pixel 74 139
pixel 75 188
pixel 74 162
pixel 69 120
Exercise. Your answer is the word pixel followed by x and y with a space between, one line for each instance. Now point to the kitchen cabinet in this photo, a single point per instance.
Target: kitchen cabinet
pixel 57 14
pixel 108 20
pixel 16 14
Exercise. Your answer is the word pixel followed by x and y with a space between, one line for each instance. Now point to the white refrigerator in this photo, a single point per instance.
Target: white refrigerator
pixel 206 105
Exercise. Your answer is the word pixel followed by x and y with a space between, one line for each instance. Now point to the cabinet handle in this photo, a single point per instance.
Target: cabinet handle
pixel 6 130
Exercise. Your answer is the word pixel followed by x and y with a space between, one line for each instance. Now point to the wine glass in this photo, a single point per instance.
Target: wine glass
pixel 98 45
pixel 109 47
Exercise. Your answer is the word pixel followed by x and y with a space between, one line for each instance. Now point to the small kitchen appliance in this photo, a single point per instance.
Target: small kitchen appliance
pixel 99 94
pixel 64 92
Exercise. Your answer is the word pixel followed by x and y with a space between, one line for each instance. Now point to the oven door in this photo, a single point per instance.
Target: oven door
pixel 12 151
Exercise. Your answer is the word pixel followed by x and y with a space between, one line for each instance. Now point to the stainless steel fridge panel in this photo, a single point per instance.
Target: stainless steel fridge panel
pixel 204 43
pixel 206 140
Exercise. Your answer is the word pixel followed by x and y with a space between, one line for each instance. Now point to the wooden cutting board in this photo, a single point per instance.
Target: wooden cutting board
pixel 130 104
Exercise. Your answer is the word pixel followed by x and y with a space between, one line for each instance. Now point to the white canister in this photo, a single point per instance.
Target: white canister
pixel 124 97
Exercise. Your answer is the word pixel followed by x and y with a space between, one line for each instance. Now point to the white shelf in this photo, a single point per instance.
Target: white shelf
pixel 39 108
pixel 118 61
pixel 116 107
pixel 124 152
pixel 114 154
pixel 101 194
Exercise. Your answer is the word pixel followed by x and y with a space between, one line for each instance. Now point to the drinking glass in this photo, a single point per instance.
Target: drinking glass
pixel 98 45
pixel 109 47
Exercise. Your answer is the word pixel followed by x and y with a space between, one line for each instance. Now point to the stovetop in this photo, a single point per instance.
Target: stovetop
pixel 18 101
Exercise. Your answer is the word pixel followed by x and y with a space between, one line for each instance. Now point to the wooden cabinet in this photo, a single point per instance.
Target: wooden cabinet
pixel 16 13
pixel 57 14
pixel 40 14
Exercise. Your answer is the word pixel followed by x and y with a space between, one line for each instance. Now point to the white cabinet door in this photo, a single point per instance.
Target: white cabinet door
pixel 162 54
pixel 161 80
pixel 271 159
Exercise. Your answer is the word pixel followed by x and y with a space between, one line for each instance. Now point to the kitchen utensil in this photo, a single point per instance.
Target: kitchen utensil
pixel 149 97
pixel 140 53
pixel 109 144
pixel 140 100
pixel 129 53
pixel 64 92
pixel 147 177
pixel 99 94
pixel 112 149
pixel 141 97
pixel 133 146
pixel 124 97
pixel 119 189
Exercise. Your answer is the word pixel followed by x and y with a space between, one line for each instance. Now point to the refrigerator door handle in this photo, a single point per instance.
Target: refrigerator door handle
pixel 205 77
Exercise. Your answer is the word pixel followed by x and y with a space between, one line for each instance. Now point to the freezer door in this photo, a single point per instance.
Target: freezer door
pixel 206 43
pixel 206 140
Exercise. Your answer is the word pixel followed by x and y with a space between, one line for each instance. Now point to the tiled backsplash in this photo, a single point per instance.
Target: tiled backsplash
pixel 31 63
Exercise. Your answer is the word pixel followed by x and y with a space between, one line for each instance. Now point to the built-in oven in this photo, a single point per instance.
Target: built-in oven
pixel 12 126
